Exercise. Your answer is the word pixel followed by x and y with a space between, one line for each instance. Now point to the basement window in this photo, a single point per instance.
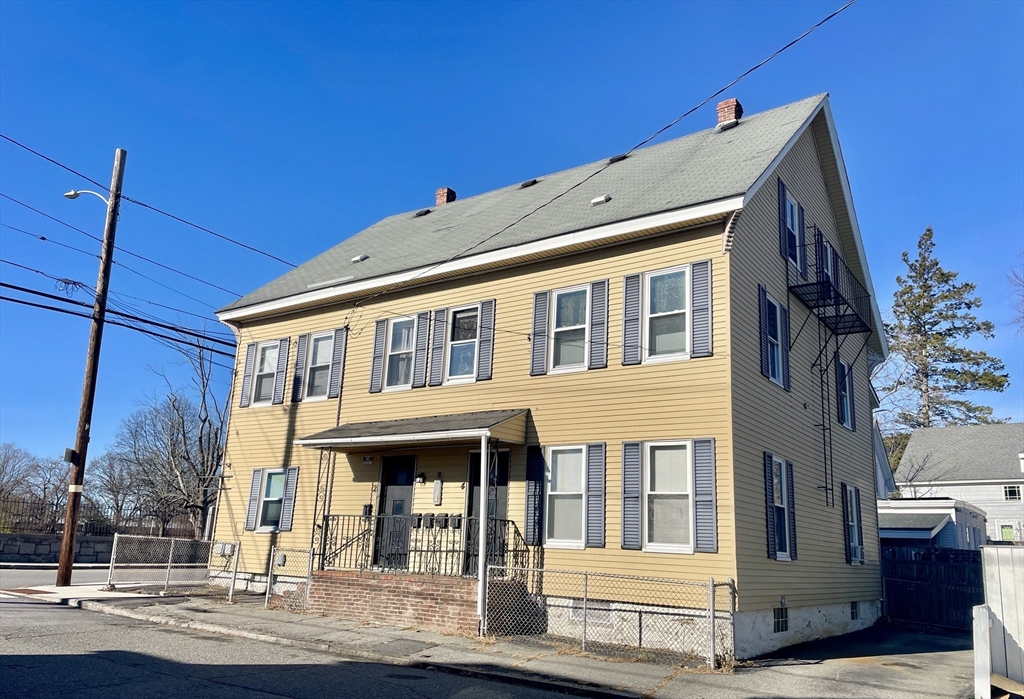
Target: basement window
pixel 854 611
pixel 781 619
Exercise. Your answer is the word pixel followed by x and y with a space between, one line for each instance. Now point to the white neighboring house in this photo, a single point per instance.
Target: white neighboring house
pixel 979 464
pixel 939 522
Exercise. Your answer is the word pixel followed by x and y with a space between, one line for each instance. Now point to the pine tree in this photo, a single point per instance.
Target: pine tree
pixel 930 369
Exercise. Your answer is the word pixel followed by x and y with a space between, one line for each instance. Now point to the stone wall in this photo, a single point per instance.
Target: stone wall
pixel 45 548
pixel 432 603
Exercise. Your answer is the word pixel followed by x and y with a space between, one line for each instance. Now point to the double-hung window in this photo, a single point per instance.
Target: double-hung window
pixel 793 250
pixel 780 503
pixel 774 342
pixel 321 350
pixel 400 346
pixel 566 482
pixel 852 517
pixel 844 387
pixel 271 499
pixel 463 340
pixel 569 325
pixel 266 370
pixel 668 497
pixel 666 313
pixel 829 262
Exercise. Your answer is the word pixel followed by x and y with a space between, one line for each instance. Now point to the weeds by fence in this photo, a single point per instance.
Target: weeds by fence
pixel 19 516
pixel 288 578
pixel 612 614
pixel 188 565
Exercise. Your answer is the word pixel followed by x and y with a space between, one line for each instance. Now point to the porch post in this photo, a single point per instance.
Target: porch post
pixel 481 592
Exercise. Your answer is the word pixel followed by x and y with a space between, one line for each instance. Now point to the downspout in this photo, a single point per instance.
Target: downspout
pixel 481 573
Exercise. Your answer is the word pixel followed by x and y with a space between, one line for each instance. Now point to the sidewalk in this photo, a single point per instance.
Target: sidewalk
pixel 878 663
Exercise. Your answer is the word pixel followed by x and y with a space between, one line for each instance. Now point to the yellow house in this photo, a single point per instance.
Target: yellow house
pixel 663 355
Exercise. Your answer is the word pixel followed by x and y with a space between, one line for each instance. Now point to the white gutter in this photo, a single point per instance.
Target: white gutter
pixel 680 217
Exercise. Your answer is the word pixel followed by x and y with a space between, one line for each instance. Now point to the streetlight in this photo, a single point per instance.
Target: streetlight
pixel 76 456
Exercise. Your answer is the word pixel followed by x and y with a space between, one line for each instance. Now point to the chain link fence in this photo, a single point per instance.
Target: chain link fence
pixel 288 578
pixel 619 615
pixel 187 565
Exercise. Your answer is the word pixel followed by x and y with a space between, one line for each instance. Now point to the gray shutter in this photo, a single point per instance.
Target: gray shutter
pixel 819 254
pixel 846 528
pixel 706 536
pixel 769 495
pixel 839 385
pixel 783 248
pixel 700 301
pixel 254 500
pixel 419 356
pixel 784 343
pixel 632 476
pixel 534 524
pixel 539 336
pixel 300 368
pixel 337 362
pixel 437 338
pixel 853 411
pixel 485 347
pixel 288 501
pixel 595 495
pixel 860 521
pixel 282 369
pixel 631 320
pixel 791 507
pixel 598 325
pixel 802 242
pixel 377 364
pixel 250 363
pixel 762 305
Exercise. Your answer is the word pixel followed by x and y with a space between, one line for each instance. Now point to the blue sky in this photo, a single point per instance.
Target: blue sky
pixel 292 126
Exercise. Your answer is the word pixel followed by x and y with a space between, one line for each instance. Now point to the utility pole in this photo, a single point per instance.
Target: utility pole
pixel 92 363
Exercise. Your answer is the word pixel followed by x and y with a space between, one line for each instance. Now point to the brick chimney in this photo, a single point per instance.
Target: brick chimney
pixel 729 113
pixel 444 195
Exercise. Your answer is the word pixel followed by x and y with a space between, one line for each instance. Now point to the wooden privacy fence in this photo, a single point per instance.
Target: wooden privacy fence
pixel 932 586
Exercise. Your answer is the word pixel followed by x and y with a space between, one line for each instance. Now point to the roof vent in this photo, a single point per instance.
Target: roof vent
pixel 730 112
pixel 360 258
pixel 421 212
pixel 603 199
pixel 528 183
pixel 617 158
pixel 443 195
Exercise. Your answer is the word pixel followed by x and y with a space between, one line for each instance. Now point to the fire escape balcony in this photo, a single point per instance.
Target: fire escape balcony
pixel 836 296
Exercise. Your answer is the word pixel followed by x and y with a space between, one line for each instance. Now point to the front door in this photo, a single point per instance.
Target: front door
pixel 392 549
pixel 497 508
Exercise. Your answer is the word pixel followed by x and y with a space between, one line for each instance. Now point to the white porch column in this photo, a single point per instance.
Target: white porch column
pixel 481 593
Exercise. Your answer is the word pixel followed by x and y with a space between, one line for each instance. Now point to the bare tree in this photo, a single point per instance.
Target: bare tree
pixel 16 466
pixel 1016 278
pixel 114 483
pixel 918 475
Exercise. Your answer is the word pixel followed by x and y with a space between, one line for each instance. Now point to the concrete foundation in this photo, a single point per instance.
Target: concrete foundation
pixel 755 630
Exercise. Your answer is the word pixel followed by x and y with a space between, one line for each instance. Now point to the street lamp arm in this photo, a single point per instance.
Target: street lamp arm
pixel 73 194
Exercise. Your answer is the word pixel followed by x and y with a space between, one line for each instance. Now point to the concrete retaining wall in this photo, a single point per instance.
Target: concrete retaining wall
pixel 45 548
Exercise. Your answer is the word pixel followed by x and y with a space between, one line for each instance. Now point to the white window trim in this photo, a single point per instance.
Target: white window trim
pixel 778 332
pixel 253 403
pixel 646 316
pixel 851 500
pixel 800 252
pixel 387 355
pixel 307 371
pixel 646 479
pixel 831 257
pixel 782 555
pixel 455 380
pixel 1006 493
pixel 565 543
pixel 847 370
pixel 259 505
pixel 552 369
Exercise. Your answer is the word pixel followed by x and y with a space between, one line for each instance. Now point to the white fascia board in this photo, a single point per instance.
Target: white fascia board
pixel 940 525
pixel 678 217
pixel 1009 480
pixel 409 438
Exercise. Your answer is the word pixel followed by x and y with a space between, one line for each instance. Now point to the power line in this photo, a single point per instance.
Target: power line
pixel 611 161
pixel 119 248
pixel 145 205
pixel 122 325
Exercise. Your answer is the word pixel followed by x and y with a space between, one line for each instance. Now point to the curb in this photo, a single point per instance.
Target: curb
pixel 510 677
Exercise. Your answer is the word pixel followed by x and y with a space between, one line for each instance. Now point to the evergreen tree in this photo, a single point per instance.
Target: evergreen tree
pixel 930 370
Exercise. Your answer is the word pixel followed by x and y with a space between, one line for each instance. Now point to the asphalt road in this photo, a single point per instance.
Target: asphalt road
pixel 56 651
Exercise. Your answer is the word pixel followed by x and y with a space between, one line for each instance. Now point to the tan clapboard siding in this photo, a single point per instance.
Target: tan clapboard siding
pixel 768 418
pixel 685 399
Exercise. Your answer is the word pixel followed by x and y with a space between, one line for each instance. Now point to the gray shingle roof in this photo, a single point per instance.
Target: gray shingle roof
pixel 702 167
pixel 418 425
pixel 974 452
pixel 898 520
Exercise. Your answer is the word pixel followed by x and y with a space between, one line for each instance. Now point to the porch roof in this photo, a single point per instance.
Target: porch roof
pixel 506 425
